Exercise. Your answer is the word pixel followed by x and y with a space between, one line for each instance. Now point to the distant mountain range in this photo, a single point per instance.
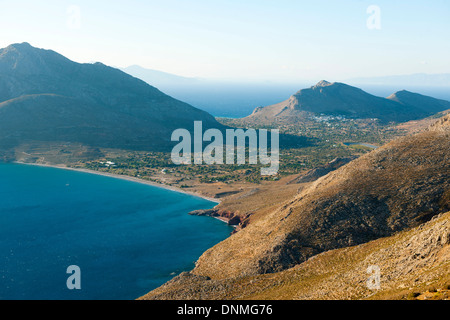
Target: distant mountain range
pixel 344 100
pixel 47 97
pixel 413 80
pixel 222 98
pixel 158 78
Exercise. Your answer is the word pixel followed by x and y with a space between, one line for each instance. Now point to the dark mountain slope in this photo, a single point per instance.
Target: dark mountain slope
pixel 427 104
pixel 45 96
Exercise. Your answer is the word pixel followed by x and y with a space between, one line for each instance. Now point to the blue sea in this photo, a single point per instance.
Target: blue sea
pixel 127 238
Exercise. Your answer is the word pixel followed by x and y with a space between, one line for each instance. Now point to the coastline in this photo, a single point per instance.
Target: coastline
pixel 124 177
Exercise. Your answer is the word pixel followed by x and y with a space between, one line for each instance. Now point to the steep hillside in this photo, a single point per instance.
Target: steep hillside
pixel 412 264
pixel 316 173
pixel 441 125
pixel 415 126
pixel 396 187
pixel 46 97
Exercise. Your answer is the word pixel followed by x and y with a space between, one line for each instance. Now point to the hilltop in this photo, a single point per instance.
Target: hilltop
pixel 415 100
pixel 339 99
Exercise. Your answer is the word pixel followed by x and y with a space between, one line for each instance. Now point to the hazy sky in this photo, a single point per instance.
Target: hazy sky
pixel 273 40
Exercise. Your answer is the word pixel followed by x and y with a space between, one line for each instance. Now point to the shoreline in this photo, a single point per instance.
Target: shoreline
pixel 123 177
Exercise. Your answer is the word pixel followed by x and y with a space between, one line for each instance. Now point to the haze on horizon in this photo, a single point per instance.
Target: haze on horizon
pixel 263 40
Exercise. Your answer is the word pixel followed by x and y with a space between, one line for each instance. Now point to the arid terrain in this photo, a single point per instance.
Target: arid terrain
pixel 360 177
pixel 387 208
pixel 414 264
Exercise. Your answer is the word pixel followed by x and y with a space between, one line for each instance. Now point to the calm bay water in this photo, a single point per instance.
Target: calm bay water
pixel 126 237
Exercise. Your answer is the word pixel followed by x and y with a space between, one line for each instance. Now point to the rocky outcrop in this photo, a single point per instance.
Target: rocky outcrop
pixel 232 218
pixel 442 125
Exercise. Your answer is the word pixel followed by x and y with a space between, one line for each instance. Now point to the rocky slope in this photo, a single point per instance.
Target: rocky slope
pixel 318 172
pixel 412 264
pixel 47 97
pixel 396 187
pixel 441 125
pixel 344 100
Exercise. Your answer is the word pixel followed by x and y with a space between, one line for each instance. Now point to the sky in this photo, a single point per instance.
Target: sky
pixel 246 40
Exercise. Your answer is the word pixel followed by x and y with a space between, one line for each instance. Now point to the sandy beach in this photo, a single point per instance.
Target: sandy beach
pixel 123 177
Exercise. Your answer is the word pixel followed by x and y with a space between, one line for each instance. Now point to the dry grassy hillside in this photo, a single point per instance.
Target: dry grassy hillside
pixel 413 264
pixel 396 187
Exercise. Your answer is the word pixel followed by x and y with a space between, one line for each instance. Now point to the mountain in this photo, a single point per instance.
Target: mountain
pixel 47 97
pixel 425 103
pixel 340 99
pixel 398 187
pixel 414 264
